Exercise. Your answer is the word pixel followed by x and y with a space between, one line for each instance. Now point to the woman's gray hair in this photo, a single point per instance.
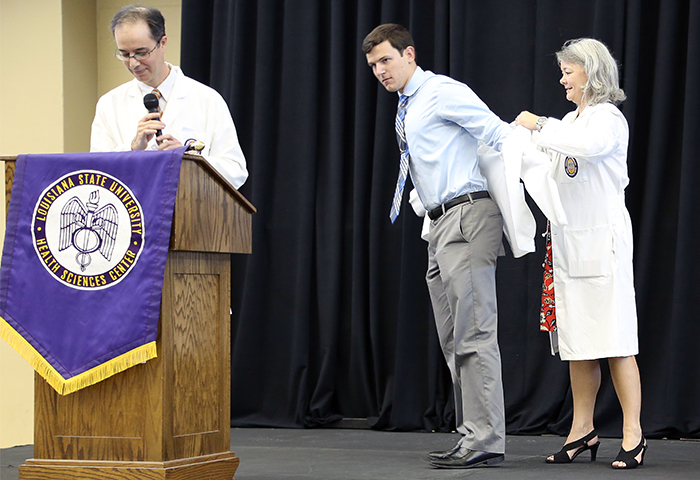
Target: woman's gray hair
pixel 599 66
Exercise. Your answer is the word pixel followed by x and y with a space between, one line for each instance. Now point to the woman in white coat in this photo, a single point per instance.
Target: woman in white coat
pixel 594 310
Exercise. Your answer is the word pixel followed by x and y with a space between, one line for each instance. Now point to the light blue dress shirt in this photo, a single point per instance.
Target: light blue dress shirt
pixel 444 122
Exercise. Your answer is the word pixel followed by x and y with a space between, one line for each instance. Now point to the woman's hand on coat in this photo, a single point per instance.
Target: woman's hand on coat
pixel 527 120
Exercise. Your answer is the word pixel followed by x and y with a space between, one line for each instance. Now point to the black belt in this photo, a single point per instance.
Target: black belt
pixel 436 213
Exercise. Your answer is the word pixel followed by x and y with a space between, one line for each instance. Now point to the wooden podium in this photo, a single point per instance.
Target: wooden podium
pixel 168 418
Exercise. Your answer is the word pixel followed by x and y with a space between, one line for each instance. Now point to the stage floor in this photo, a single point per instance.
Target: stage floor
pixel 347 454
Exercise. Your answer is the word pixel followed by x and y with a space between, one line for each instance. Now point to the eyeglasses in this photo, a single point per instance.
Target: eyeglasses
pixel 140 56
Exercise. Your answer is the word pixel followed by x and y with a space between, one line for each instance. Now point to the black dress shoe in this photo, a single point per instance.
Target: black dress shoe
pixel 466 458
pixel 442 453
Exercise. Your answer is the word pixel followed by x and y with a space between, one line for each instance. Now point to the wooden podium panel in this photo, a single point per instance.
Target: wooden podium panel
pixel 168 418
pixel 175 406
pixel 210 215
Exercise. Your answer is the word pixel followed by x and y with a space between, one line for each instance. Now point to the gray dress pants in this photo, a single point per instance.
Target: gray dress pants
pixel 462 251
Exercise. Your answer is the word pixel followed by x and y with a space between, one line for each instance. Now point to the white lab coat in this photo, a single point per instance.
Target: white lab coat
pixel 194 111
pixel 592 254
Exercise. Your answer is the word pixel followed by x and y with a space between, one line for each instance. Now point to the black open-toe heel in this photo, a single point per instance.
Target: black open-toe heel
pixel 562 456
pixel 630 457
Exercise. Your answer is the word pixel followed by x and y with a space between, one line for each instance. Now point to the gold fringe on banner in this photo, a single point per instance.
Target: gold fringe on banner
pixel 97 374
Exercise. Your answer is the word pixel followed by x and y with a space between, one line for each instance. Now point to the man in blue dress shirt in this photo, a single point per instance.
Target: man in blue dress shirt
pixel 443 122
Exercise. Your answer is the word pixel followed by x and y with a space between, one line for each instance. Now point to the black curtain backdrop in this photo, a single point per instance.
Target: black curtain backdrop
pixel 331 316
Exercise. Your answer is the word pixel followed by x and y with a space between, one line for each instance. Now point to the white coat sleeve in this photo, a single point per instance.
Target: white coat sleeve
pixel 501 170
pixel 104 128
pixel 225 152
pixel 593 140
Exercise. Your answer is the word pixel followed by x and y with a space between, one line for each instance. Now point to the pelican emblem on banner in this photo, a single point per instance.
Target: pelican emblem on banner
pixel 88 229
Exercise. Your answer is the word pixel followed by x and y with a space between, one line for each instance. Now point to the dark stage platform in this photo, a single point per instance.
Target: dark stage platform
pixel 346 454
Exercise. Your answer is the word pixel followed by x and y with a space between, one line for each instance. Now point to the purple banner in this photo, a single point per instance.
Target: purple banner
pixel 84 257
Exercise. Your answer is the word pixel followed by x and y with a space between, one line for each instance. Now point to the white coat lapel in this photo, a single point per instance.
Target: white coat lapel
pixel 178 93
pixel 137 109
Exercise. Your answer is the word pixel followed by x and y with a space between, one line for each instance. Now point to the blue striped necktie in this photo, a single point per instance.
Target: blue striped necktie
pixel 403 167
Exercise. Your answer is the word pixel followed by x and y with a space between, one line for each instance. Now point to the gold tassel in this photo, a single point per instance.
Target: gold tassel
pixel 97 374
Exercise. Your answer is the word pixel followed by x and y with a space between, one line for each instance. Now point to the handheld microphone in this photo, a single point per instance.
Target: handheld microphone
pixel 151 103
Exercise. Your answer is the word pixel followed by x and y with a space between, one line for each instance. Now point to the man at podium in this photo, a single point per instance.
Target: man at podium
pixel 186 110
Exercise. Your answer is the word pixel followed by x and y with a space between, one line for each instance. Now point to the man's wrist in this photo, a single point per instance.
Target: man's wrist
pixel 136 145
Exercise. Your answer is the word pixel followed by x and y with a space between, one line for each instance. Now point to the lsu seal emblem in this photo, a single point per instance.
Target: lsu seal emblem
pixel 88 230
pixel 571 167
